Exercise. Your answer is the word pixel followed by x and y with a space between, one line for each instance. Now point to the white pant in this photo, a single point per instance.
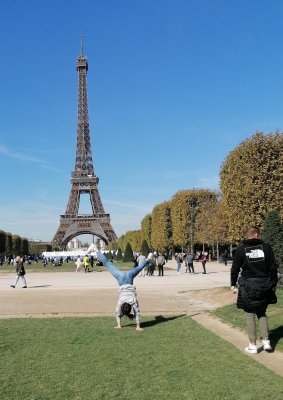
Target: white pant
pixel 22 278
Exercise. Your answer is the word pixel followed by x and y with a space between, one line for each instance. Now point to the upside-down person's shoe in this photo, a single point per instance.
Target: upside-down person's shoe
pixel 252 349
pixel 266 345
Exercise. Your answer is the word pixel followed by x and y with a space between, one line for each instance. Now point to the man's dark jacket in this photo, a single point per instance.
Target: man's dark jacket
pixel 255 262
pixel 20 269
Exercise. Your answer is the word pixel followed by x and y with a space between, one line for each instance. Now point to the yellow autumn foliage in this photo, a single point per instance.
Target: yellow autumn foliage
pixel 161 234
pixel 251 179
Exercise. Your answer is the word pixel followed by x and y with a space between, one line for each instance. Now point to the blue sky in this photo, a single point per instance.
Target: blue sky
pixel 173 86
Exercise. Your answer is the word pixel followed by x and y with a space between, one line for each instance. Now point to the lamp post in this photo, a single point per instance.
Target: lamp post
pixel 192 204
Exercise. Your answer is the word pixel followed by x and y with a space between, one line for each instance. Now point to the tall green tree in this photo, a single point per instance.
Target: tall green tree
pixel 146 226
pixel 161 231
pixel 132 237
pixel 9 244
pixel 251 180
pixel 2 242
pixel 145 250
pixel 273 234
pixel 17 245
pixel 128 255
pixel 25 247
pixel 119 256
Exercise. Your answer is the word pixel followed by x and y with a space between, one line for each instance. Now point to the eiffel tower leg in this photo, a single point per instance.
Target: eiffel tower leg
pixel 74 201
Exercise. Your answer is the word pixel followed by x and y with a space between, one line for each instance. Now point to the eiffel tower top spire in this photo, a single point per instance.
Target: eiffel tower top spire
pixel 83 163
pixel 82 45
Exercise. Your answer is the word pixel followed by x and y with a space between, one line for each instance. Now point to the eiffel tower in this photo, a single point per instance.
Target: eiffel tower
pixel 83 179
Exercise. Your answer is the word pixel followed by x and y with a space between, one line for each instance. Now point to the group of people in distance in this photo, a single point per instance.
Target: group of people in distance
pixel 84 264
pixel 154 260
pixel 254 277
pixel 189 261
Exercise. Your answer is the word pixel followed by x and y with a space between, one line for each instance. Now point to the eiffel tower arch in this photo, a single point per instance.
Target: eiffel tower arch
pixel 83 179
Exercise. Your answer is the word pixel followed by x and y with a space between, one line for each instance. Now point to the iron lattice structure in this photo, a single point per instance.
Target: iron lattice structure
pixel 83 180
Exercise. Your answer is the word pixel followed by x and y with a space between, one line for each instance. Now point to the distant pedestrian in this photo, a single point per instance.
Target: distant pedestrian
pixel 225 257
pixel 160 264
pixel 79 264
pixel 20 269
pixel 179 260
pixel 151 264
pixel 190 263
pixel 203 259
pixel 141 258
pixel 86 263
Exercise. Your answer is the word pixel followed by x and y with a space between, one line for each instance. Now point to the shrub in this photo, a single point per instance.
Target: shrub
pixel 128 255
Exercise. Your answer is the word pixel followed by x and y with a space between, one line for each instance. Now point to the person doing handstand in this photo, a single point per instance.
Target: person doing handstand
pixel 127 303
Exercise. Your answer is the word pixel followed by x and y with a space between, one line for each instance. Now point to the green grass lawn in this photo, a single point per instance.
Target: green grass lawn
pixel 66 267
pixel 236 317
pixel 86 359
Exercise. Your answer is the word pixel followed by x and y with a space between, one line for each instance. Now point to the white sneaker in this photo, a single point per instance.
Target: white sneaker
pixel 266 345
pixel 252 349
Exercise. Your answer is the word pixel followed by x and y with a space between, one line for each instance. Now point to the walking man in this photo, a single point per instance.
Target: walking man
pixel 86 263
pixel 20 269
pixel 256 285
pixel 141 258
pixel 190 263
pixel 203 261
pixel 160 263
pixel 179 260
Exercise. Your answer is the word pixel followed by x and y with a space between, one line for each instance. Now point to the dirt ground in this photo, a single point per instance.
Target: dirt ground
pixel 80 294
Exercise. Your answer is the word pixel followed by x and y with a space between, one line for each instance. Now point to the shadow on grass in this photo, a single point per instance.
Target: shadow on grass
pixel 159 319
pixel 275 335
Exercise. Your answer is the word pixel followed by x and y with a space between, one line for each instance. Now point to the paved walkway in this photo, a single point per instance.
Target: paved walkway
pixel 237 338
pixel 79 294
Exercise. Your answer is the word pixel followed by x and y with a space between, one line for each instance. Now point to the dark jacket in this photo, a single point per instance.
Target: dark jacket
pixel 255 263
pixel 20 269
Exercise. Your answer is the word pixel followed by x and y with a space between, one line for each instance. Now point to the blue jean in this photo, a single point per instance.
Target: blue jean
pixel 179 266
pixel 123 277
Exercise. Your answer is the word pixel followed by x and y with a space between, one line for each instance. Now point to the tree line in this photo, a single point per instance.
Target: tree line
pixel 168 227
pixel 251 177
pixel 13 245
